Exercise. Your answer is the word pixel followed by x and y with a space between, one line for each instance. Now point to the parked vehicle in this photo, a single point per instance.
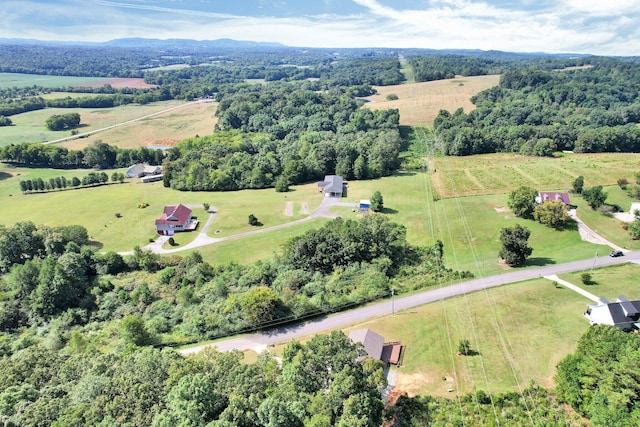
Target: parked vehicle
pixel 616 254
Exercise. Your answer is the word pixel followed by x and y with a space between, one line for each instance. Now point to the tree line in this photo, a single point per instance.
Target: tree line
pixel 95 155
pixel 62 183
pixel 537 112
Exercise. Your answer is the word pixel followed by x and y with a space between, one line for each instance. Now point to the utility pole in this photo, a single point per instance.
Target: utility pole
pixel 594 262
pixel 392 302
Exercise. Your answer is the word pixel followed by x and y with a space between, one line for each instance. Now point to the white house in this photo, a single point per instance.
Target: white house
pixel 332 186
pixel 622 313
pixel 175 218
pixel 142 169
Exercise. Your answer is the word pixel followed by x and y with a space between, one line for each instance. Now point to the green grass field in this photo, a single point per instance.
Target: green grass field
pixel 95 208
pixel 30 127
pixel 503 173
pixel 521 331
pixel 8 80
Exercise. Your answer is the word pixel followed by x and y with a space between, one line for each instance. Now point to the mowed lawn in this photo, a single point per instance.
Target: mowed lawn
pixel 521 331
pixel 468 226
pixel 419 103
pixel 95 208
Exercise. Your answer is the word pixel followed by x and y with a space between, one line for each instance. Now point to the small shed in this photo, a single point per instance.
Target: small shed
pixel 364 206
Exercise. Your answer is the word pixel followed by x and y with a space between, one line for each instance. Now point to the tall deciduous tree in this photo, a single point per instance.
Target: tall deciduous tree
pixel 515 244
pixel 522 201
pixel 578 184
pixel 552 213
pixel 594 196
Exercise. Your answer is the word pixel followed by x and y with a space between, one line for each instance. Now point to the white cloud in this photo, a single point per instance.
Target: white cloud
pixel 582 26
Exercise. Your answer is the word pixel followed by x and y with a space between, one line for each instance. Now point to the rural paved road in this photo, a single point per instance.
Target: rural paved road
pixel 262 339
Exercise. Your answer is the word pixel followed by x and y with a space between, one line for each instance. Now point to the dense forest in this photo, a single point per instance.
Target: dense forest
pixel 286 132
pixel 591 109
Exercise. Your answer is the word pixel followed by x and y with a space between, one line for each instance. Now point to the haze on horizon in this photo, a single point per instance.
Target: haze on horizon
pixel 553 26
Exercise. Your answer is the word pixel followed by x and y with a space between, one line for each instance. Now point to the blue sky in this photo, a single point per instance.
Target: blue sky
pixel 607 27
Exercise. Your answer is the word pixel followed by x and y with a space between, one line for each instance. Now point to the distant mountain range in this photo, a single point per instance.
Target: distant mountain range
pixel 145 43
pixel 148 43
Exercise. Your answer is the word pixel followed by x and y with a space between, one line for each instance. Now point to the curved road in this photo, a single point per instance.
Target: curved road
pixel 262 339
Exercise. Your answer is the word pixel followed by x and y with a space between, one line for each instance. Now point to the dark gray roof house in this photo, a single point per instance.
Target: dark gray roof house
pixel 372 342
pixel 622 313
pixel 376 348
pixel 332 186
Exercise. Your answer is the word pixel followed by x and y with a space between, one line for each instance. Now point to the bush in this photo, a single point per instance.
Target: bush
pixel 586 278
pixel 206 206
pixel 622 183
pixel 143 205
pixel 171 241
pixel 253 220
pixel 392 97
pixel 118 215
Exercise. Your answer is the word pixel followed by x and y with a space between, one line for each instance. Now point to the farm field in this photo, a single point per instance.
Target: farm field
pixel 419 103
pixel 95 208
pixel 162 130
pixel 30 126
pixel 503 173
pixel 468 226
pixel 22 80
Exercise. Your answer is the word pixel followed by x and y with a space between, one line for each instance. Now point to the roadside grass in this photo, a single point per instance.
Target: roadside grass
pixel 608 227
pixel 30 126
pixel 609 282
pixel 8 80
pixel 162 130
pixel 419 103
pixel 517 341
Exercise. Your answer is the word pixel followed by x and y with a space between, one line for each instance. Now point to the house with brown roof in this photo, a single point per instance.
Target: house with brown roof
pixel 175 218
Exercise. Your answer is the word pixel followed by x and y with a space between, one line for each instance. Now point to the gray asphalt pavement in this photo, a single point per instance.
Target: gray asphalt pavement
pixel 344 319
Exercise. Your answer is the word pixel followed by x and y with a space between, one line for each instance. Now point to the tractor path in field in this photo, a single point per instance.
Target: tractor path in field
pixel 147 116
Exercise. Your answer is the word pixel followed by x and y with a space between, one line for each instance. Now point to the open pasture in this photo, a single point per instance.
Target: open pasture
pixel 95 208
pixel 419 103
pixel 503 173
pixel 165 129
pixel 30 126
pixel 24 80
pixel 521 332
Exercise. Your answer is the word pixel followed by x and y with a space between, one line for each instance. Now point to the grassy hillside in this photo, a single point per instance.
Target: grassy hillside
pixel 419 103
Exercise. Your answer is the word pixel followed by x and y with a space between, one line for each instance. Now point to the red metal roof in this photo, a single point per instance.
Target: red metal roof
pixel 174 214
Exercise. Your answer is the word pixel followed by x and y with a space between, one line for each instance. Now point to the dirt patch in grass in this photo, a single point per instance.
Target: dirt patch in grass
pixel 119 83
pixel 501 209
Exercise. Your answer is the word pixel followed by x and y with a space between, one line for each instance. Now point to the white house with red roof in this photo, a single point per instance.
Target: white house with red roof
pixel 175 218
